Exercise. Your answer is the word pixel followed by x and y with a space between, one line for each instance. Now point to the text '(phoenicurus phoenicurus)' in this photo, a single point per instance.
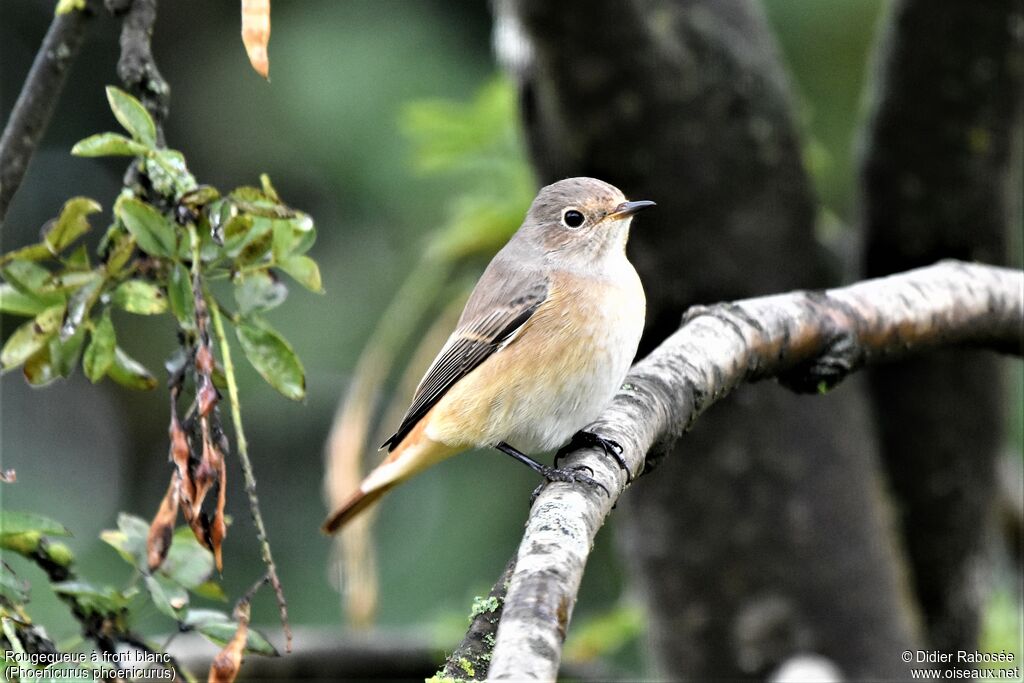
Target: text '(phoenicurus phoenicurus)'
pixel 543 344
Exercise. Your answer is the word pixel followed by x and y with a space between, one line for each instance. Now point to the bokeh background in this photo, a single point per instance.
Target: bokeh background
pixel 328 130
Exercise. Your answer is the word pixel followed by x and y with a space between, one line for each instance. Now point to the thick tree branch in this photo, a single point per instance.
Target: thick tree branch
pixel 471 660
pixel 38 98
pixel 808 338
pixel 688 103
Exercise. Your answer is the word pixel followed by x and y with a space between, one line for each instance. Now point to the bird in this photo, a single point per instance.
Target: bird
pixel 543 344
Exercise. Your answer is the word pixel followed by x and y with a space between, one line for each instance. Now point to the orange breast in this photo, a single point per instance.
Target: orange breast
pixel 555 375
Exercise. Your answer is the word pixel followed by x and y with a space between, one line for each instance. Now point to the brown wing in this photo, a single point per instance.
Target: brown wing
pixel 485 327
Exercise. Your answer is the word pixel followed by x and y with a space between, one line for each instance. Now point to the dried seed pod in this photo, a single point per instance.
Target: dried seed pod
pixel 161 530
pixel 228 661
pixel 256 34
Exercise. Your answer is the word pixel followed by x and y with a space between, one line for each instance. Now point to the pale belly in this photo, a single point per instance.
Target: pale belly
pixel 553 379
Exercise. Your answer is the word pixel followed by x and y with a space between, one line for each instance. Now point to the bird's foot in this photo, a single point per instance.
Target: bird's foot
pixel 572 475
pixel 611 448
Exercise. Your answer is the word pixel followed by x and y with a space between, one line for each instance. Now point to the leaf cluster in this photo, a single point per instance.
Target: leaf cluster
pixel 165 236
pixel 107 611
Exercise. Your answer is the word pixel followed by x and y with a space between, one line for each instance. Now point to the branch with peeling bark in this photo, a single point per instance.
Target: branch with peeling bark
pixel 808 340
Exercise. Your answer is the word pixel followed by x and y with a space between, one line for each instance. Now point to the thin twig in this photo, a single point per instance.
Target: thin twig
pixel 38 98
pixel 136 67
pixel 242 446
pixel 809 339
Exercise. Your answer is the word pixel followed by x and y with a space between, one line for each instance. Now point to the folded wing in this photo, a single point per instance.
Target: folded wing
pixel 488 324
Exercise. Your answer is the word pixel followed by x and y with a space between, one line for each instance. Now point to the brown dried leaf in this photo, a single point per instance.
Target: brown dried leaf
pixel 204 360
pixel 208 396
pixel 180 453
pixel 228 661
pixel 256 34
pixel 161 530
pixel 199 526
pixel 210 471
pixel 219 528
pixel 204 477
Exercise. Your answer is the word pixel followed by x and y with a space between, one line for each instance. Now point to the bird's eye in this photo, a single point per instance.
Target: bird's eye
pixel 573 218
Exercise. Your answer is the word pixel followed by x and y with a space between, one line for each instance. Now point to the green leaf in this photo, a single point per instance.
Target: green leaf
pixel 18 303
pixel 304 270
pixel 167 171
pixel 219 628
pixel 154 233
pixel 108 145
pixel 27 277
pixel 179 294
pixel 18 522
pixel 30 337
pixel 128 372
pixel 25 544
pixel 79 259
pixel 11 587
pixel 237 230
pixel 55 360
pixel 188 563
pixel 79 305
pixel 255 201
pixel 64 353
pixel 258 291
pixel 65 6
pixel 38 369
pixel 268 188
pixel 99 355
pixel 132 115
pixel 293 236
pixel 33 252
pixel 256 244
pixel 129 539
pixel 70 280
pixel 119 253
pixel 103 601
pixel 140 297
pixel 272 357
pixel 167 597
pixel 72 223
pixel 211 590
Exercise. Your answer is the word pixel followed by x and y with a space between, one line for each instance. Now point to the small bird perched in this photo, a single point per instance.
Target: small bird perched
pixel 543 344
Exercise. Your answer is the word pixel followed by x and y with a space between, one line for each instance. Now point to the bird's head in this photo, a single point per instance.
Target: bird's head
pixel 581 219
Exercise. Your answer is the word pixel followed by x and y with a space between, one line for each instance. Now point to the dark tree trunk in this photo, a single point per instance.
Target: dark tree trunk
pixel 764 535
pixel 942 179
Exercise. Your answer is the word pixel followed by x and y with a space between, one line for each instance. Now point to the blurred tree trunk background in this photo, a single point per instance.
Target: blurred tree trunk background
pixel 768 533
pixel 942 179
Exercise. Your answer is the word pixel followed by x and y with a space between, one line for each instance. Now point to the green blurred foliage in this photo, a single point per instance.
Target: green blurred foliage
pixel 479 145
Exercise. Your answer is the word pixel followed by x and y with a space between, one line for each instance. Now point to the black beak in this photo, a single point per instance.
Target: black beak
pixel 626 209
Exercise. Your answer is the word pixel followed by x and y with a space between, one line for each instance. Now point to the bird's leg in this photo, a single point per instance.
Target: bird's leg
pixel 583 439
pixel 551 473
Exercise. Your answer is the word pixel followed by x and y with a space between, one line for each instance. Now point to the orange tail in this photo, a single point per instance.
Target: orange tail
pixel 413 455
pixel 359 501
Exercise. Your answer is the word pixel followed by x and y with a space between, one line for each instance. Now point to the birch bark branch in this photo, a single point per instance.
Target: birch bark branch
pixel 809 340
